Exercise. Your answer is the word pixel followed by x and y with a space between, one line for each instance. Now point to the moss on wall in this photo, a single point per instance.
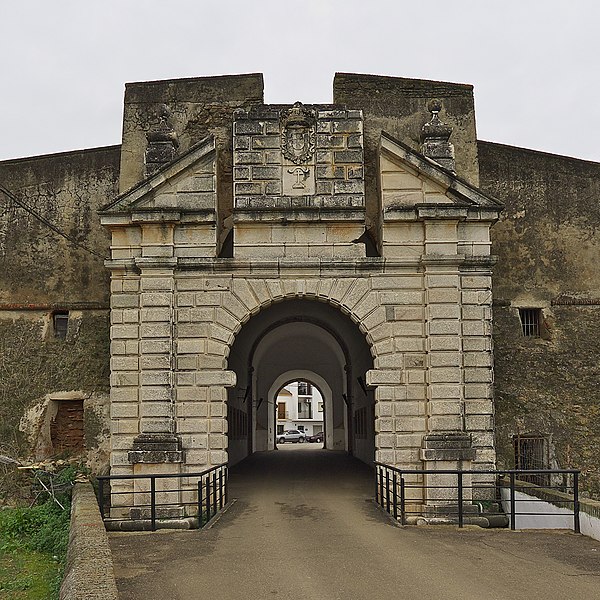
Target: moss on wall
pixel 550 388
pixel 33 365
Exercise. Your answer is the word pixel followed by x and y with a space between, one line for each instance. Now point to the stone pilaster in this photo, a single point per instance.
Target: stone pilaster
pixel 443 328
pixel 124 364
pixel 157 442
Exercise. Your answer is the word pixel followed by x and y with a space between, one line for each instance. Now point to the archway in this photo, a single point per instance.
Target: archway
pixel 324 389
pixel 300 339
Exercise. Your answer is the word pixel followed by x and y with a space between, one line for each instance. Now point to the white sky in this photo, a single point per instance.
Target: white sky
pixel 534 63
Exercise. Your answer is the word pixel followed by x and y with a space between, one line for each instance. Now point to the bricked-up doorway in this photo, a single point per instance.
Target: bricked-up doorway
pixel 66 427
pixel 300 339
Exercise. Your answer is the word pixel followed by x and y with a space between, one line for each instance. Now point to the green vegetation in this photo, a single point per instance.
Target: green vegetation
pixel 28 575
pixel 33 546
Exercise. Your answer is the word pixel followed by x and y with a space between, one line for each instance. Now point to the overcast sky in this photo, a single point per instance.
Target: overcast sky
pixel 534 63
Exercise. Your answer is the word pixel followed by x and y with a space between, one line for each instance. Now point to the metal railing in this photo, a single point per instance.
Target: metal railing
pixel 149 501
pixel 457 495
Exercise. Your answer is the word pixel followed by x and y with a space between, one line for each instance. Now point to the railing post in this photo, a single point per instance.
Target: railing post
pixel 153 503
pixel 395 495
pixel 214 474
pixel 402 501
pixel 226 483
pixel 460 498
pixel 101 497
pixel 576 523
pixel 208 498
pixel 387 490
pixel 220 488
pixel 200 503
pixel 512 502
pixel 381 487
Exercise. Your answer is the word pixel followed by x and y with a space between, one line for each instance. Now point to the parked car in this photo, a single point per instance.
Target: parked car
pixel 316 437
pixel 291 435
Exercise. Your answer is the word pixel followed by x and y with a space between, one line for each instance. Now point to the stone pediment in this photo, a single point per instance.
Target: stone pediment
pixel 409 180
pixel 187 184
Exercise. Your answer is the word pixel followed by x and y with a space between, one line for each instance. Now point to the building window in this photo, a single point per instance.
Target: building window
pixel 304 388
pixel 320 407
pixel 305 409
pixel 60 323
pixel 530 321
pixel 531 452
pixel 281 410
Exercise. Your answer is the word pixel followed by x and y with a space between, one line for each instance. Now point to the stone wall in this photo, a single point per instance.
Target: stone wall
pixel 399 107
pixel 89 573
pixel 40 273
pixel 547 247
pixel 198 107
pixel 38 266
pixel 313 209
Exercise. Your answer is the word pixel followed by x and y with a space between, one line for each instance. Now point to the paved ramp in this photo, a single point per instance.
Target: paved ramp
pixel 304 527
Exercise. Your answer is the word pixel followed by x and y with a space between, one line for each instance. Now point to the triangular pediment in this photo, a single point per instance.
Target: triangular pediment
pixel 408 179
pixel 187 184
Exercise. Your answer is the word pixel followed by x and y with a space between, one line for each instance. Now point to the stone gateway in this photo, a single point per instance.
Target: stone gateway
pixel 348 245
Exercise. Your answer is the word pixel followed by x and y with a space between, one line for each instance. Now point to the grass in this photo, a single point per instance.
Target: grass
pixel 28 575
pixel 33 549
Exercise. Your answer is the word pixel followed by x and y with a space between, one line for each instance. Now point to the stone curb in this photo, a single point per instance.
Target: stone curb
pixel 89 574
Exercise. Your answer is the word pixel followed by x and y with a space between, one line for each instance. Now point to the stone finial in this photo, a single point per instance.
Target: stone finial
pixel 162 142
pixel 435 137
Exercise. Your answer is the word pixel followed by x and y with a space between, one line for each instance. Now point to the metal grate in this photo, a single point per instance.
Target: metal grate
pixel 531 452
pixel 530 321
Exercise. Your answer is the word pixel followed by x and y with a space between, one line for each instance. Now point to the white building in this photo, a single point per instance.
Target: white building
pixel 300 406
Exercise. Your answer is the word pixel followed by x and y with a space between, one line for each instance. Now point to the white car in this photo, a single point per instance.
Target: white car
pixel 291 435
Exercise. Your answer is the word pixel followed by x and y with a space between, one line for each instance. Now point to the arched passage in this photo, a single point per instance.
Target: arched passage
pixel 324 389
pixel 318 342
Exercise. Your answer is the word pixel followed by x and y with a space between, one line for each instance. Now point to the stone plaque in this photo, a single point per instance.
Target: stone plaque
pixel 298 180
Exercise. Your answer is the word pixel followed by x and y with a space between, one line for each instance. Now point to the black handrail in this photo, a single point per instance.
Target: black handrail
pixel 387 496
pixel 210 489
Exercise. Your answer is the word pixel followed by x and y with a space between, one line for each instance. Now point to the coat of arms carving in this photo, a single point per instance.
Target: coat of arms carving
pixel 298 136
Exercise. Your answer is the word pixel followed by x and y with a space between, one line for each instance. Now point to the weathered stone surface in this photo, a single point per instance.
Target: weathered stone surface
pixel 89 573
pixel 413 274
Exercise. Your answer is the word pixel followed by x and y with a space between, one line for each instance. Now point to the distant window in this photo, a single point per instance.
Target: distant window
pixel 320 407
pixel 60 322
pixel 281 410
pixel 279 429
pixel 531 452
pixel 304 388
pixel 530 321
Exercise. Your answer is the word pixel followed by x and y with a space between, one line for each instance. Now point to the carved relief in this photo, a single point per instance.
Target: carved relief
pixel 301 175
pixel 298 135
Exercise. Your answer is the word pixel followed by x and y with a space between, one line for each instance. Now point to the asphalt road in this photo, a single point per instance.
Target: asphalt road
pixel 304 526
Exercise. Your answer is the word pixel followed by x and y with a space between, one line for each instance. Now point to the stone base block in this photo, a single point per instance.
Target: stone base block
pixel 155 448
pixel 170 512
pixel 146 524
